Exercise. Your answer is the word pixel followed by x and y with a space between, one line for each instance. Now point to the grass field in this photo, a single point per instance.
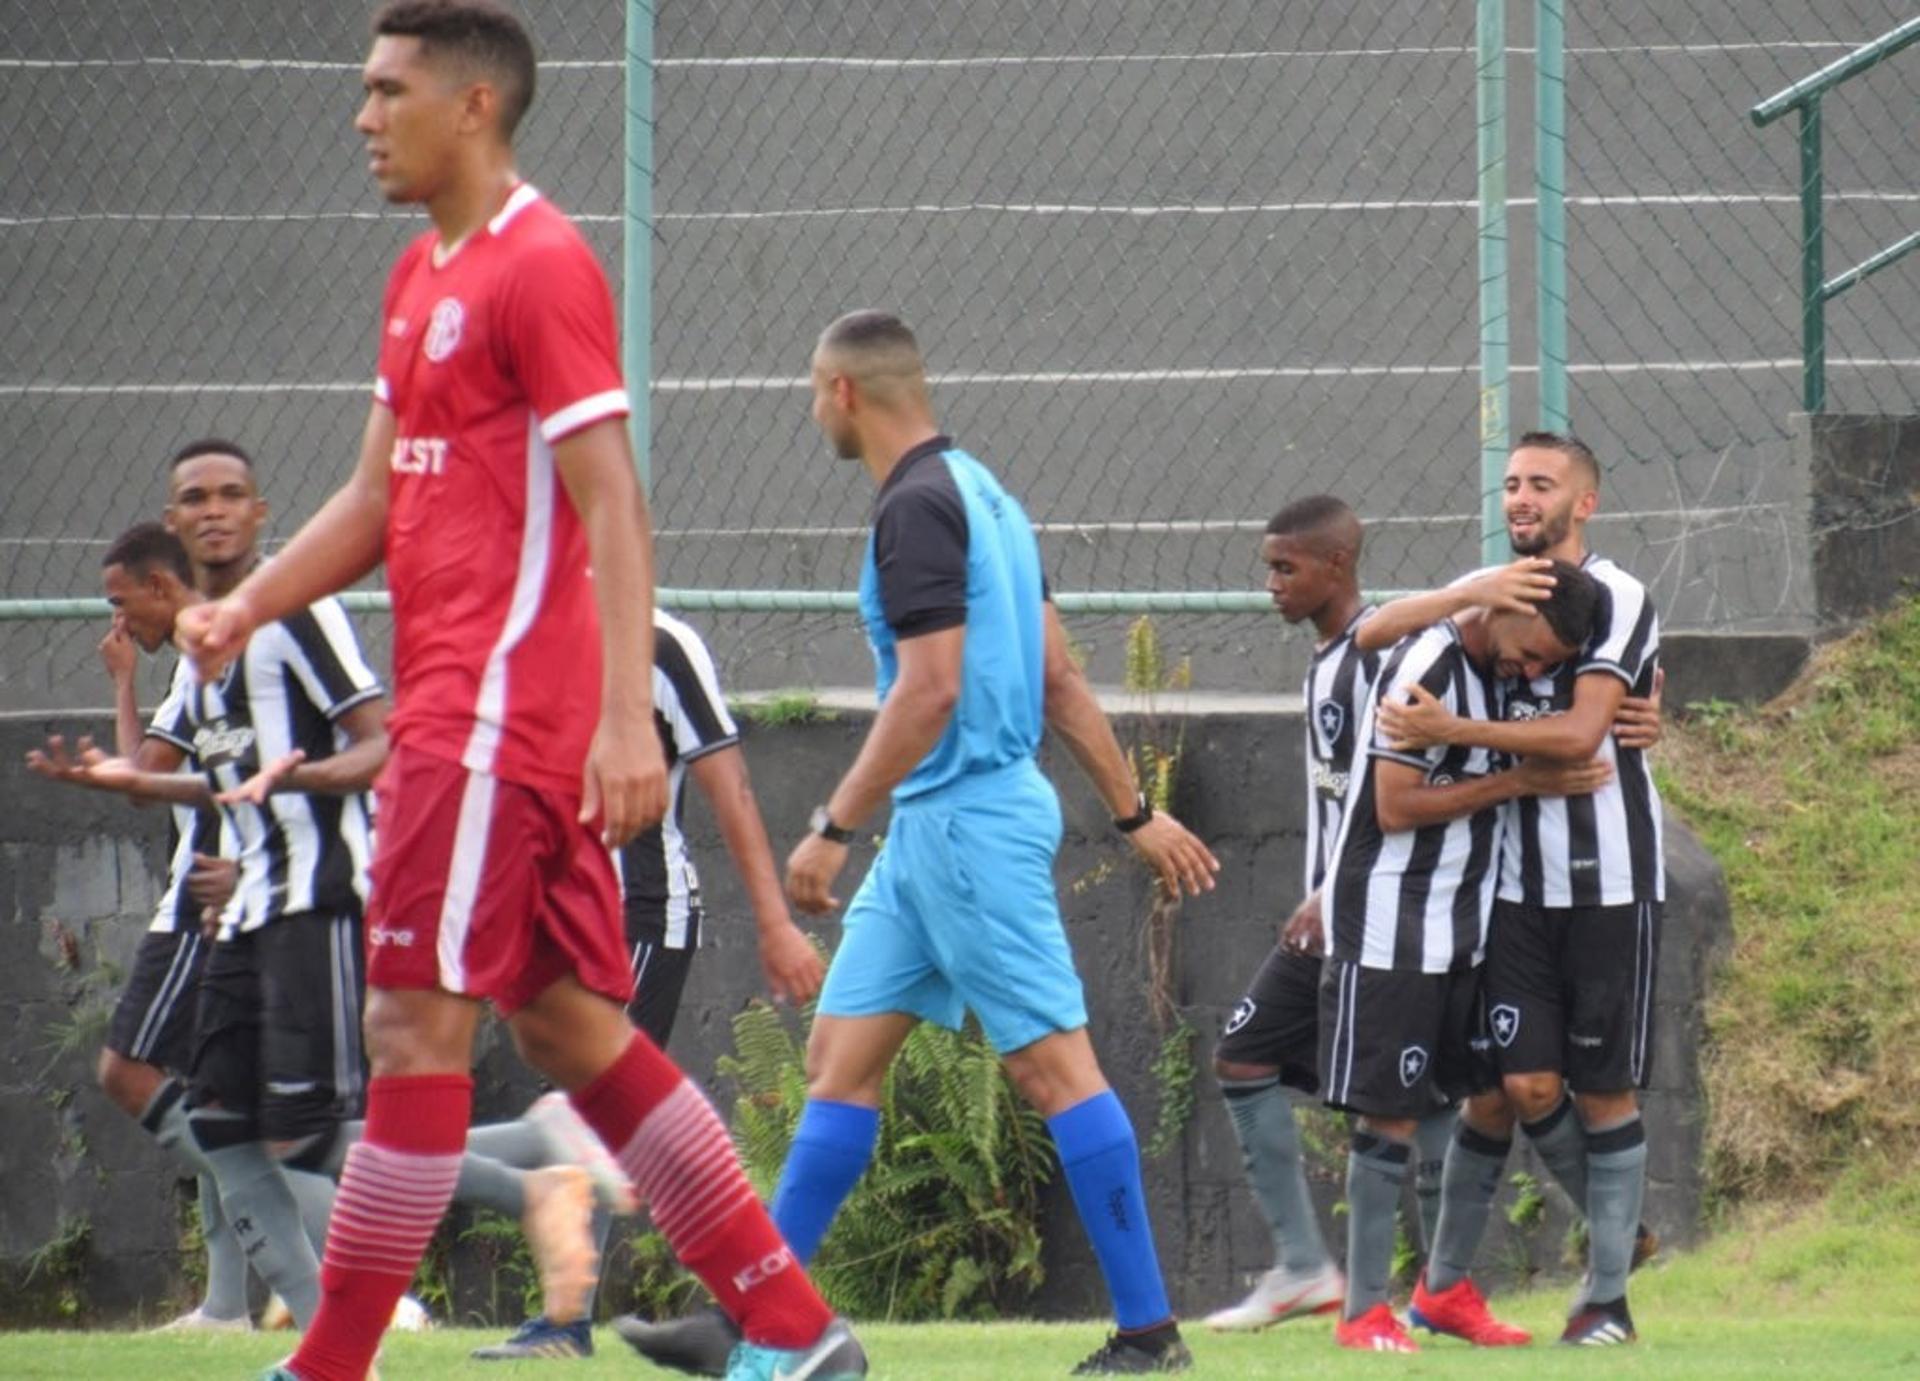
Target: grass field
pixel 1826 1292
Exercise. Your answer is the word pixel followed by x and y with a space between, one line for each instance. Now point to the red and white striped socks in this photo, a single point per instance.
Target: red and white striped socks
pixel 397 1183
pixel 674 1147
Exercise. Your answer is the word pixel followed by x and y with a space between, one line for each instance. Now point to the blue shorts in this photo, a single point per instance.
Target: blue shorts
pixel 959 913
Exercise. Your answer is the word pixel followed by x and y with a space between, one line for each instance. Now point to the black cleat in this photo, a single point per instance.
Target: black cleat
pixel 698 1344
pixel 1600 1325
pixel 1131 1354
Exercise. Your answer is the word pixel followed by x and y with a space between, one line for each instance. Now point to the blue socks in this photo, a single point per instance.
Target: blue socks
pixel 1102 1164
pixel 831 1147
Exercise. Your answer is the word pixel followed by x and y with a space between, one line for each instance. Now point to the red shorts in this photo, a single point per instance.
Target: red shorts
pixel 488 888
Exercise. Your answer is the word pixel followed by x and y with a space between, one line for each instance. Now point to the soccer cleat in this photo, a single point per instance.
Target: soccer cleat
pixel 282 1372
pixel 1460 1311
pixel 699 1345
pixel 1377 1330
pixel 1600 1325
pixel 558 1228
pixel 539 1338
pixel 198 1320
pixel 835 1356
pixel 570 1141
pixel 1132 1354
pixel 1280 1295
pixel 409 1316
pixel 1646 1246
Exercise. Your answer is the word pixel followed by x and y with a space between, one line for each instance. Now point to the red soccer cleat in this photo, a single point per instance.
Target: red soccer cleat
pixel 1377 1330
pixel 1460 1312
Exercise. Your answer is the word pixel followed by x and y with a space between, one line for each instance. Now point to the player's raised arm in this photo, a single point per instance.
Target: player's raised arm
pixel 333 548
pixel 1423 722
pixel 1074 713
pixel 1513 588
pixel 626 773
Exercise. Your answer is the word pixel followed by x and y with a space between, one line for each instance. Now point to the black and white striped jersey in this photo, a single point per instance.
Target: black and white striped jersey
pixel 658 876
pixel 1417 901
pixel 189 831
pixel 295 679
pixel 1604 849
pixel 1336 689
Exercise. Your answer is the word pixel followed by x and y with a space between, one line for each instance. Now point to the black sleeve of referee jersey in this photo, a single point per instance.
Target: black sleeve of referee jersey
pixel 920 553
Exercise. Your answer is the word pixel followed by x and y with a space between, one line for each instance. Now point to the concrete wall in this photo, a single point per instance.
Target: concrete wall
pixel 78 873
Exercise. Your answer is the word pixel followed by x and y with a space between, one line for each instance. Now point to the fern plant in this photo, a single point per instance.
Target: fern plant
pixel 945 1222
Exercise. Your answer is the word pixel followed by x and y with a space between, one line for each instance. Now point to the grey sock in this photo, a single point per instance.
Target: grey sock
pixel 262 1211
pixel 314 1193
pixel 1469 1183
pixel 1616 1183
pixel 226 1262
pixel 166 1120
pixel 1376 1171
pixel 1263 1121
pixel 490 1184
pixel 517 1143
pixel 1430 1141
pixel 1561 1143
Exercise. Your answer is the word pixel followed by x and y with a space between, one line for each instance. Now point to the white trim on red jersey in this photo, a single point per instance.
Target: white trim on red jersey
pixel 523 195
pixel 529 584
pixel 573 417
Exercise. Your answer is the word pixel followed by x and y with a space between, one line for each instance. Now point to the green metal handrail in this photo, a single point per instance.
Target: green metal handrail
pixel 1816 289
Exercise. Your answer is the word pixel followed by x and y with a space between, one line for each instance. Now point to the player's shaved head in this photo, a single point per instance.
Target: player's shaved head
pixel 483 40
pixel 878 352
pixel 1578 453
pixel 1321 523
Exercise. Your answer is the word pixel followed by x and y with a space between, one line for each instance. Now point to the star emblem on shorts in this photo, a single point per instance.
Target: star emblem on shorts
pixel 1505 1020
pixel 1413 1063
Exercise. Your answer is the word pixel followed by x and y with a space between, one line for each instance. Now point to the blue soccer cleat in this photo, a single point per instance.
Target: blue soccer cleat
pixel 836 1356
pixel 538 1337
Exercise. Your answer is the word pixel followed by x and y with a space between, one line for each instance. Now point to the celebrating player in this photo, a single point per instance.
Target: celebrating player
pixel 496 481
pixel 1571 959
pixel 1405 914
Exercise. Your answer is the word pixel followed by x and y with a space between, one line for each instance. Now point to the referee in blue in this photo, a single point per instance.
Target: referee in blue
pixel 959 910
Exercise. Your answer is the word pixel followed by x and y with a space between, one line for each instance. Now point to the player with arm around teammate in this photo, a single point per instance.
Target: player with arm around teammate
pixel 1574 946
pixel 1405 913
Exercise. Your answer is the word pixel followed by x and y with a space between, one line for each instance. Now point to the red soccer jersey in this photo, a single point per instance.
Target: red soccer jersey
pixel 487 360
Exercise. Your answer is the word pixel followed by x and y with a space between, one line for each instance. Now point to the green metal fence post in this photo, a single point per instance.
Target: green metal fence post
pixel 636 250
pixel 1550 210
pixel 1813 269
pixel 1491 105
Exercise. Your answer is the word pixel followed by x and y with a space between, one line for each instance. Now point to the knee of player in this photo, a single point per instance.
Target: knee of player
pixel 127 1083
pixel 1239 1072
pixel 1533 1094
pixel 1606 1109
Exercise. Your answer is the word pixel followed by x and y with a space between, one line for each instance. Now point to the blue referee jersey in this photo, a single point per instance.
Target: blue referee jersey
pixel 951 546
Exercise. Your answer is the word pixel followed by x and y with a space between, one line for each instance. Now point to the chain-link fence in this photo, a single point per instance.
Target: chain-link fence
pixel 1173 264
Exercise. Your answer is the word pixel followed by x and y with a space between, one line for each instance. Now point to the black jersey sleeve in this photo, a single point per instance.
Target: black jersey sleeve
pixel 920 554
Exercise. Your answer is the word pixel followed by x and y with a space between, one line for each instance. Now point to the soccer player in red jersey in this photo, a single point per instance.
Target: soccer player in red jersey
pixel 496 481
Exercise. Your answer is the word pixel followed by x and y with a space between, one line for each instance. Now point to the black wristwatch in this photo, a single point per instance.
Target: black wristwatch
pixel 822 824
pixel 1138 818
